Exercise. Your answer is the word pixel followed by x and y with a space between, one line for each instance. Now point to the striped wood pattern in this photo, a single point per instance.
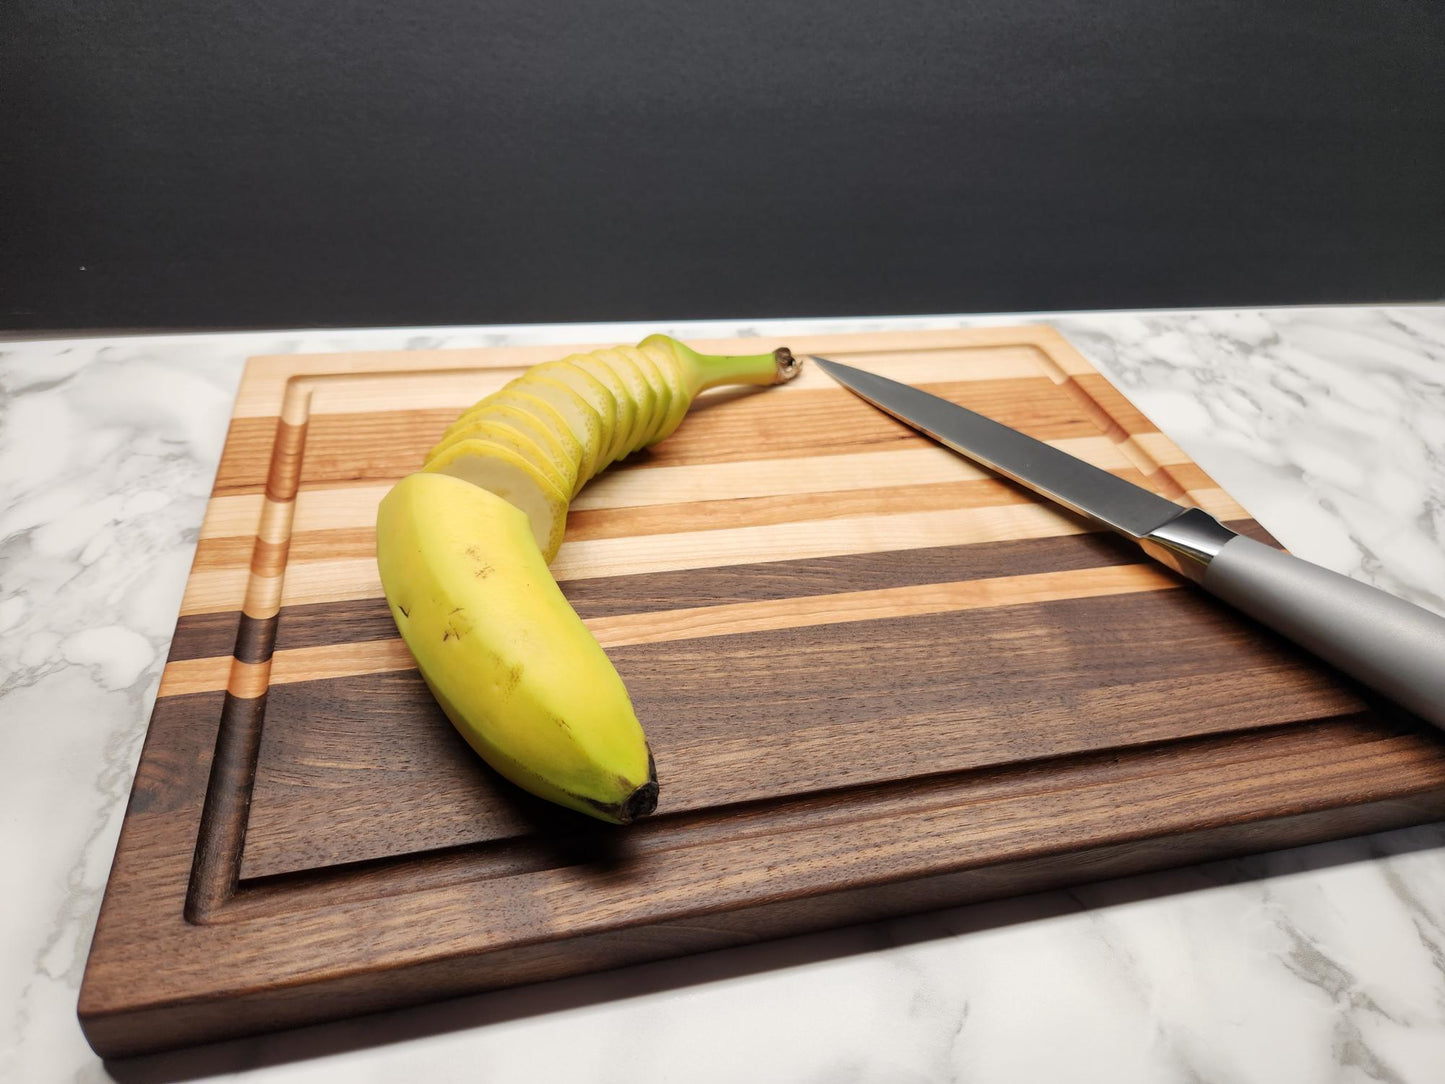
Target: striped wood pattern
pixel 875 678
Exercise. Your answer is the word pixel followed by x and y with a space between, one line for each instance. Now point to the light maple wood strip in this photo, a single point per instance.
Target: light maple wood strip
pixel 215 590
pixel 184 676
pixel 340 660
pixel 931 366
pixel 346 518
pixel 228 517
pixel 811 538
pixel 382 656
pixel 1218 503
pixel 269 558
pixel 264 382
pixel 355 506
pixel 754 512
pixel 353 578
pixel 406 389
pixel 1160 449
pixel 371 447
pixel 263 594
pixel 390 380
pixel 645 519
pixel 338 509
pixel 337 580
pixel 910 465
pixel 248 680
pixel 884 603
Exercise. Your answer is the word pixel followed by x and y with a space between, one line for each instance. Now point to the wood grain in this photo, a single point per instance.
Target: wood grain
pixel 875 678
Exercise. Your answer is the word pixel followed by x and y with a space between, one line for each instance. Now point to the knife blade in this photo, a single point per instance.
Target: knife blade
pixel 1386 643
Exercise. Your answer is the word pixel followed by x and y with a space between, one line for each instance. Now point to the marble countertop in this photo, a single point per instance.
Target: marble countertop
pixel 1325 963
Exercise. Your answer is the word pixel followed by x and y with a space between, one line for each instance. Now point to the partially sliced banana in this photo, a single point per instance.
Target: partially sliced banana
pixel 463 548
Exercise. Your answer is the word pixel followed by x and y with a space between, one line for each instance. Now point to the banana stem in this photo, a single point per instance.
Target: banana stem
pixel 715 370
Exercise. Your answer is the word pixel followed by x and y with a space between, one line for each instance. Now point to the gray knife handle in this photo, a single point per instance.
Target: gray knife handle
pixel 1395 648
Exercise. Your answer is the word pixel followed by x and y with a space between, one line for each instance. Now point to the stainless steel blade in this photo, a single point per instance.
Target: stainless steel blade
pixel 1129 509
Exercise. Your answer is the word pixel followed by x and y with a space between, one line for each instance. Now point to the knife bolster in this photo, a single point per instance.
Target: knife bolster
pixel 1188 542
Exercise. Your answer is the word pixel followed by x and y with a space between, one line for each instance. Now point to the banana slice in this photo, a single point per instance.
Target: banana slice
pixel 661 394
pixel 637 389
pixel 658 349
pixel 579 420
pixel 500 470
pixel 594 394
pixel 539 436
pixel 549 419
pixel 629 394
pixel 491 426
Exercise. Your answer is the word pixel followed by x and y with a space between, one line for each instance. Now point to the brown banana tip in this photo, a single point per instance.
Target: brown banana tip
pixel 640 802
pixel 788 366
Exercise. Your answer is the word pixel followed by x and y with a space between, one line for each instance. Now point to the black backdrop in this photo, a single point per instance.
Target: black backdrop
pixel 299 162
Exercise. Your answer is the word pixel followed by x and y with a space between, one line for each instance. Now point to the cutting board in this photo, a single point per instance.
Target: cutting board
pixel 875 678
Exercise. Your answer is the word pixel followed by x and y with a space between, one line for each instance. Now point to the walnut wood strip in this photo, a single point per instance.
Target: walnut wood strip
pixel 255 638
pixel 288 835
pixel 217 866
pixel 333 660
pixel 353 621
pixel 369 619
pixel 202 635
pixel 825 538
pixel 262 893
pixel 214 589
pixel 199 636
pixel 747 719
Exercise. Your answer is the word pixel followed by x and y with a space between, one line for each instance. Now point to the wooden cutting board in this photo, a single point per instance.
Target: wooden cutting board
pixel 875 679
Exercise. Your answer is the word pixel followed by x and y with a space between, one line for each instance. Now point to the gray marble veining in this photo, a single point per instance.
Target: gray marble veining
pixel 1319 964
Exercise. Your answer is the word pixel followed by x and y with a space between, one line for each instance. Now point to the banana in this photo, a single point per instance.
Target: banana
pixel 601 407
pixel 503 652
pixel 463 548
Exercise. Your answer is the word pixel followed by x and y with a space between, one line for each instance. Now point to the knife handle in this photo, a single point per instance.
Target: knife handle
pixel 1392 646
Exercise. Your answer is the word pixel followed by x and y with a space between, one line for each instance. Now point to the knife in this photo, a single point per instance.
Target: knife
pixel 1390 645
